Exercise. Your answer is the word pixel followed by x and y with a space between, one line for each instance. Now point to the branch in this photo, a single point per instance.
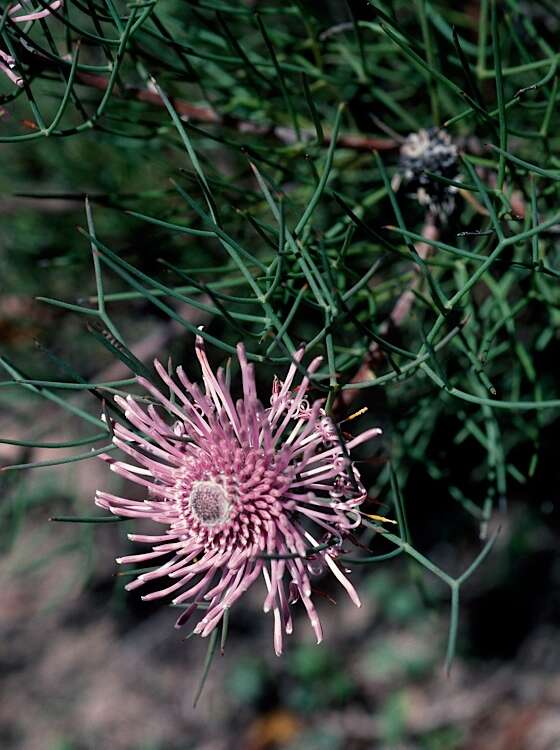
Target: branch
pixel 193 113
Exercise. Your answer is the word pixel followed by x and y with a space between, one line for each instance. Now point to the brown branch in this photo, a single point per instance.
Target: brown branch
pixel 207 115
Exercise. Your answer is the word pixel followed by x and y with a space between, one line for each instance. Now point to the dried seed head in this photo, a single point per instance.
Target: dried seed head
pixel 430 151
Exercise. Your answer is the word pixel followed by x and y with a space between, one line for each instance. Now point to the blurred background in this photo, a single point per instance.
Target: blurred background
pixel 84 664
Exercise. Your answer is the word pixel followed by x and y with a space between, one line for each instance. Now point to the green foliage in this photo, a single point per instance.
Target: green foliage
pixel 226 149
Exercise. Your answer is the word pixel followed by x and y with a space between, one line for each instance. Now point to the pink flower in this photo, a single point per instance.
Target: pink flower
pixel 244 491
pixel 7 62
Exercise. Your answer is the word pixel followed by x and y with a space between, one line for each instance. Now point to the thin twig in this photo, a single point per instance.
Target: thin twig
pixel 192 113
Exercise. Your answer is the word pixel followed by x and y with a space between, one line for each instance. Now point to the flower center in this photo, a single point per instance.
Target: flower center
pixel 209 503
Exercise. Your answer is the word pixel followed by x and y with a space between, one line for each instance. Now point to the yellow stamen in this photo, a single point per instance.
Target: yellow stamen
pixel 354 415
pixel 381 519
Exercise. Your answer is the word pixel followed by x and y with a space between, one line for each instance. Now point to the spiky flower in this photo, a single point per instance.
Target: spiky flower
pixel 24 12
pixel 244 491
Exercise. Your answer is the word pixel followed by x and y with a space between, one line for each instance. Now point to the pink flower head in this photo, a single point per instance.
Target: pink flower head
pixel 21 13
pixel 244 491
